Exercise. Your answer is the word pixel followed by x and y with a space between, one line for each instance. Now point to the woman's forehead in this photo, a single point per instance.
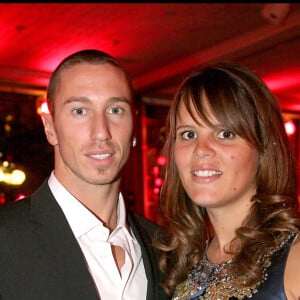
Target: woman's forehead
pixel 201 115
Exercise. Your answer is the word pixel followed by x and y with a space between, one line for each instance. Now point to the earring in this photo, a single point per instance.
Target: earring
pixel 134 142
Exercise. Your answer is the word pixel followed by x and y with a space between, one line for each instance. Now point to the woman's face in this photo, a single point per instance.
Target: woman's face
pixel 216 166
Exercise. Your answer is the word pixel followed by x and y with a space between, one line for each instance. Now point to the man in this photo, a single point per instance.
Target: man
pixel 73 238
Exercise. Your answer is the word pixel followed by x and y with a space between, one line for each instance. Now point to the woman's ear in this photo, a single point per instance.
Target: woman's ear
pixel 49 128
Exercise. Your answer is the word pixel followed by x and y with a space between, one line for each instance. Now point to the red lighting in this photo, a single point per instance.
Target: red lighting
pixel 282 81
pixel 2 200
pixel 285 85
pixel 158 181
pixel 155 170
pixel 20 196
pixel 290 127
pixel 161 160
pixel 156 190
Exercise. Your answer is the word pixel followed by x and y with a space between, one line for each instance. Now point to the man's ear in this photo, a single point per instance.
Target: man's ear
pixel 49 128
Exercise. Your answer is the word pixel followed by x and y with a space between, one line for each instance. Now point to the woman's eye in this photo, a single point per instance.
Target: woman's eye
pixel 188 135
pixel 225 134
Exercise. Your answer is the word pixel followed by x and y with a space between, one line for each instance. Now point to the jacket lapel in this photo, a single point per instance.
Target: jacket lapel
pixel 144 232
pixel 60 254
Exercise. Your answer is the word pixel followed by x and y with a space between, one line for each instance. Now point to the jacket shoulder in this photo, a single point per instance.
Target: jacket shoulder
pixel 15 211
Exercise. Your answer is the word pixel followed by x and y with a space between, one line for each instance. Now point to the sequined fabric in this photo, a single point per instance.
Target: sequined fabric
pixel 212 282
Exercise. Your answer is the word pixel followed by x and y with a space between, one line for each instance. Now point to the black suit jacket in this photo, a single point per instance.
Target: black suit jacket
pixel 40 258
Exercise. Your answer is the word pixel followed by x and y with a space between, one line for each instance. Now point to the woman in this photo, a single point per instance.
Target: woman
pixel 229 197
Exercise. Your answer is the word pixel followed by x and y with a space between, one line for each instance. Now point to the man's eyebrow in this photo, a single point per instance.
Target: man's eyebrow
pixel 120 99
pixel 77 99
pixel 84 99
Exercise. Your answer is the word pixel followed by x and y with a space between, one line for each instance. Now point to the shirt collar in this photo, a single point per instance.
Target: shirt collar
pixel 75 211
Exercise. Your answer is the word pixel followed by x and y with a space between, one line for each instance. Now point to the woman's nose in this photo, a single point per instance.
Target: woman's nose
pixel 204 148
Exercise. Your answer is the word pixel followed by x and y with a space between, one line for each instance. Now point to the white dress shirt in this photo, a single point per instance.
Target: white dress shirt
pixel 95 242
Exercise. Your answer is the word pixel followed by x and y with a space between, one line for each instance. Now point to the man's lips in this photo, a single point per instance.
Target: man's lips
pixel 101 156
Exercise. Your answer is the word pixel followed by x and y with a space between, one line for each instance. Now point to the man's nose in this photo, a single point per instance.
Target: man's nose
pixel 101 130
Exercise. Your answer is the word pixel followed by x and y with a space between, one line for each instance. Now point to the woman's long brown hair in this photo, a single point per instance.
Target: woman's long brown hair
pixel 240 100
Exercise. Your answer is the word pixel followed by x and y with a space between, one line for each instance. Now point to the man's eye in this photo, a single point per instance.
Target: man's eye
pixel 115 110
pixel 225 134
pixel 188 135
pixel 79 111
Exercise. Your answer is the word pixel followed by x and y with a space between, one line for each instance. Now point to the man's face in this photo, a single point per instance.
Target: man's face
pixel 91 130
